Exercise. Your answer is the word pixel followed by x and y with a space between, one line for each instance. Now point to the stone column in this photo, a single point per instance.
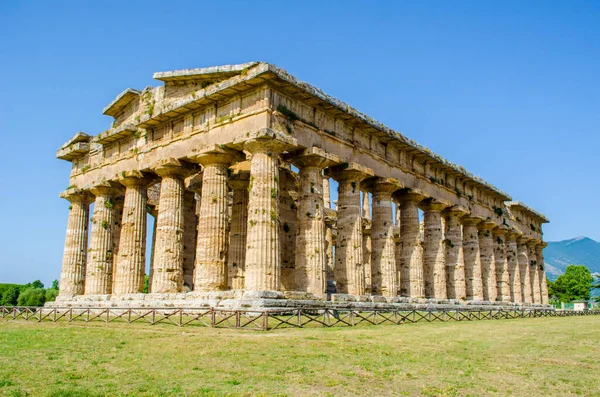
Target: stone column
pixel 533 272
pixel 329 226
pixel 288 225
pixel 213 223
pixel 190 222
pixel 311 258
pixel 383 256
pixel 326 193
pixel 488 261
pixel 153 211
pixel 473 283
pixel 167 275
pixel 98 279
pixel 348 271
pixel 263 257
pixel 367 241
pixel 454 255
pixel 72 275
pixel 500 254
pixel 236 263
pixel 131 261
pixel 523 258
pixel 513 267
pixel 542 272
pixel 411 261
pixel 434 263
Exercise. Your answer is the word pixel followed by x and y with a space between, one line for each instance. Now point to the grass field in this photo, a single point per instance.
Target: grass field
pixel 522 357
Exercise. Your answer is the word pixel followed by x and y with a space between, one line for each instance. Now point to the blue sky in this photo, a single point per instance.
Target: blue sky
pixel 510 90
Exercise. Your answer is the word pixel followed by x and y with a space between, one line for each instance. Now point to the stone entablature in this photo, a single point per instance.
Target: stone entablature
pixel 203 116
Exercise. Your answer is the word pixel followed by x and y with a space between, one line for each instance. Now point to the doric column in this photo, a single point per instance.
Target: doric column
pixel 348 271
pixel 500 254
pixel 488 260
pixel 288 225
pixel 72 275
pixel 411 261
pixel 311 257
pixel 329 245
pixel 473 283
pixel 101 254
pixel 326 192
pixel 434 263
pixel 263 256
pixel 523 258
pixel 167 276
pixel 454 255
pixel 383 257
pixel 236 263
pixel 131 260
pixel 533 273
pixel 513 267
pixel 211 246
pixel 153 211
pixel 542 272
pixel 190 223
pixel 367 245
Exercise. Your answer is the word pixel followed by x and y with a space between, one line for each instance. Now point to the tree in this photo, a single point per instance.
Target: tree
pixel 574 284
pixel 35 284
pixel 54 284
pixel 10 295
pixel 32 297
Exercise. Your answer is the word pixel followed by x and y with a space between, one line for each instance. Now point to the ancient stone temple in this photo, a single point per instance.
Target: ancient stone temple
pixel 236 165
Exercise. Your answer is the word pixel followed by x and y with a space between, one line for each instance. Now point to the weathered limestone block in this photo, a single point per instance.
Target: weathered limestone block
pixel 454 255
pixel 101 254
pixel 213 227
pixel 237 236
pixel 349 272
pixel 288 226
pixel 263 257
pixel 523 258
pixel 473 285
pixel 383 256
pixel 488 260
pixel 131 261
pixel 167 273
pixel 311 245
pixel 411 261
pixel 542 272
pixel 513 267
pixel 533 272
pixel 434 263
pixel 72 276
pixel 190 223
pixel 500 254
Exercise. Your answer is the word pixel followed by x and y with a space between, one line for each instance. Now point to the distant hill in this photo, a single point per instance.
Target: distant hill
pixel 579 251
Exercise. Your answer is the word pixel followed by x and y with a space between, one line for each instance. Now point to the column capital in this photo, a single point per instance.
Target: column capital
pixel 133 178
pixel 410 195
pixel 487 225
pixel 106 188
pixel 267 141
pixel 383 185
pixel 315 157
pixel 532 243
pixel 540 246
pixel 523 240
pixel 217 155
pixel 500 231
pixel 433 204
pixel 513 234
pixel 350 172
pixel 457 211
pixel 239 180
pixel 471 220
pixel 76 195
pixel 172 167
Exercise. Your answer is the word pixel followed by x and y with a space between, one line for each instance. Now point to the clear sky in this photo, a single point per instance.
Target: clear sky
pixel 509 89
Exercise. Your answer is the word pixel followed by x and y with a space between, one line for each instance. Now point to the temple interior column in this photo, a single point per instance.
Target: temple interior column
pixel 513 267
pixel 454 255
pixel 288 226
pixel 434 263
pixel 533 272
pixel 167 276
pixel 367 241
pixel 539 249
pixel 383 257
pixel 236 264
pixel 131 261
pixel 213 222
pixel 488 261
pixel 473 283
pixel 523 258
pixel 263 256
pixel 411 261
pixel 190 222
pixel 348 271
pixel 311 245
pixel 153 211
pixel 72 275
pixel 500 254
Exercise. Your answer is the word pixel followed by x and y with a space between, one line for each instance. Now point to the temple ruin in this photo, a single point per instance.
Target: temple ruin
pixel 237 163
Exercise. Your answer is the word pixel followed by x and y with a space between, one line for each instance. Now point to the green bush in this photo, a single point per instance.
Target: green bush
pixel 32 297
pixel 9 294
pixel 51 294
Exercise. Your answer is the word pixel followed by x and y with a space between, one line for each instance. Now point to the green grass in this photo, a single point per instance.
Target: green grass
pixel 523 357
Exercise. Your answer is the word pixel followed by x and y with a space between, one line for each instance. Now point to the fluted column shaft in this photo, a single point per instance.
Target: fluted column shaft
pixel 131 260
pixel 239 225
pixel 536 296
pixel 488 261
pixel 473 283
pixel 383 255
pixel 542 272
pixel 190 224
pixel 434 263
pixel 454 255
pixel 326 192
pixel 101 253
pixel 502 273
pixel 168 257
pixel 411 261
pixel 513 268
pixel 72 275
pixel 523 258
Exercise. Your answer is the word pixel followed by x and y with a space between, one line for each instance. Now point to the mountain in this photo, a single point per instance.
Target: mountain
pixel 576 251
